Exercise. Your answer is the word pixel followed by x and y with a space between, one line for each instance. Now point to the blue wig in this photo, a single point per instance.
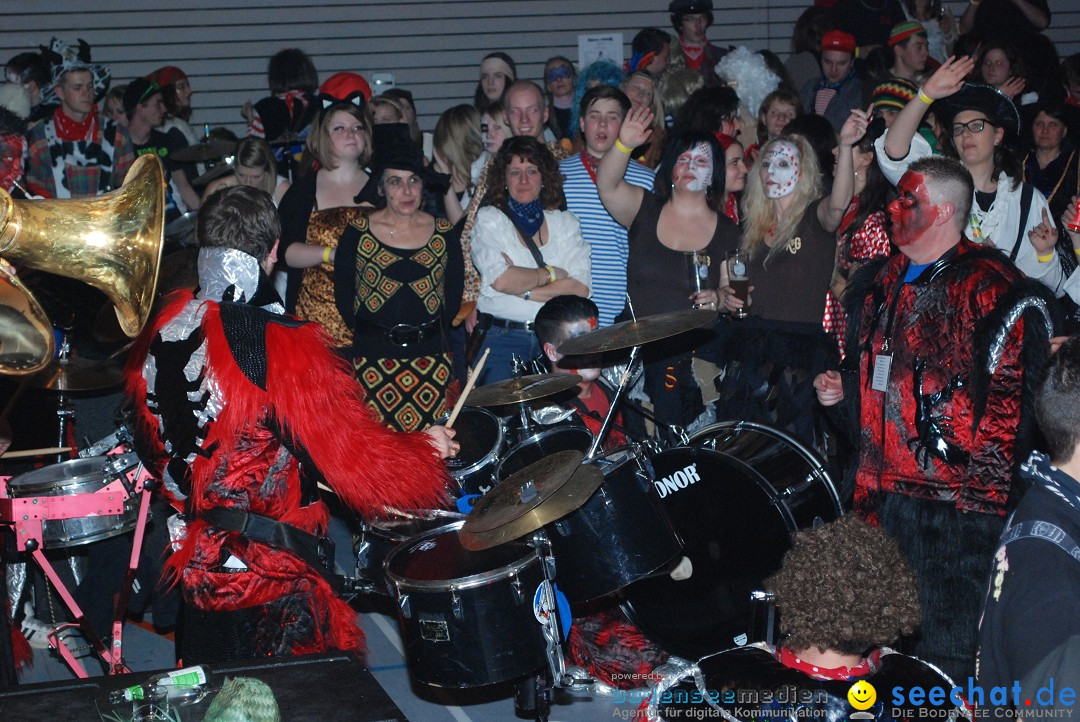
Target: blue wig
pixel 601 72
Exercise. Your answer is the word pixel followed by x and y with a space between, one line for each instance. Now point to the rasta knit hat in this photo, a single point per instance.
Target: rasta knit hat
pixel 903 31
pixel 893 94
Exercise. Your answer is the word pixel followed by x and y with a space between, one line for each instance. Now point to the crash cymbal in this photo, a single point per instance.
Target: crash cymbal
pixel 76 374
pixel 637 333
pixel 180 231
pixel 583 482
pixel 526 388
pixel 203 151
pixel 213 174
pixel 522 491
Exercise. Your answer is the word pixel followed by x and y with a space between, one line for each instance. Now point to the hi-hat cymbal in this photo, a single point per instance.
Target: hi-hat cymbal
pixel 77 374
pixel 637 333
pixel 203 151
pixel 526 388
pixel 286 139
pixel 559 500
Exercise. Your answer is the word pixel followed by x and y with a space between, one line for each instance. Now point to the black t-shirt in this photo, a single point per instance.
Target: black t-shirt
pixel 160 144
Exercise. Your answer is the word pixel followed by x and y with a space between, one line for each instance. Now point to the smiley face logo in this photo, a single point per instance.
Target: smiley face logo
pixel 862 695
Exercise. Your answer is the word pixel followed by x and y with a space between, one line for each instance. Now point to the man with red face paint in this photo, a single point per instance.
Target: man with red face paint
pixel 946 343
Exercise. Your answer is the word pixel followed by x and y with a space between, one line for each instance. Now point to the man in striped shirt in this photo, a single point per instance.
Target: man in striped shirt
pixel 602 111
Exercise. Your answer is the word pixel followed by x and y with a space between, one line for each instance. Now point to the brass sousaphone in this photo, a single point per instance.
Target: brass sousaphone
pixel 112 242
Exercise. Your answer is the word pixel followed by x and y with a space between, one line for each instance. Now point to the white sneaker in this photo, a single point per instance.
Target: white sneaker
pixel 35 630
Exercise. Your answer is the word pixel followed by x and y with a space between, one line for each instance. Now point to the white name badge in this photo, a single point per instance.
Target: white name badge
pixel 882 364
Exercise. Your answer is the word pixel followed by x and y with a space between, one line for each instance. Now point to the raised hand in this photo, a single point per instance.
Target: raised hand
pixel 1013 87
pixel 1044 235
pixel 949 78
pixel 854 127
pixel 636 128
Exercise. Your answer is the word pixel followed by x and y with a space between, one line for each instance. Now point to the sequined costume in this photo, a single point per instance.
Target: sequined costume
pixel 940 445
pixel 240 407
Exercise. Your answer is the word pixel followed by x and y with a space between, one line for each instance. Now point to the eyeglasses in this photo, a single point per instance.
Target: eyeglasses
pixel 563 71
pixel 973 126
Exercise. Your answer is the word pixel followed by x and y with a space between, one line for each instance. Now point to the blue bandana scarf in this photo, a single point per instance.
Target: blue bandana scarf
pixel 526 216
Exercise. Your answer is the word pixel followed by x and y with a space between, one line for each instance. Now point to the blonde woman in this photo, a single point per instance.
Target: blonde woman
pixel 789 233
pixel 254 166
pixel 458 144
pixel 318 207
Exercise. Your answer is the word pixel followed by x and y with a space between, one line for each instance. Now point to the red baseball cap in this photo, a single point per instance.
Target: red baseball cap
pixel 838 40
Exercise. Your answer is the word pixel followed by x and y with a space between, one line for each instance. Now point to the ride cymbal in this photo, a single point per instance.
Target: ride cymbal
pixel 637 333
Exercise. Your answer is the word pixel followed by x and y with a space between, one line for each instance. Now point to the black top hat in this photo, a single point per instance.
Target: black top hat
pixel 394 149
pixel 997 106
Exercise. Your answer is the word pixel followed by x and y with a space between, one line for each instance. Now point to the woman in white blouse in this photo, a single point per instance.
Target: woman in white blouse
pixel 526 251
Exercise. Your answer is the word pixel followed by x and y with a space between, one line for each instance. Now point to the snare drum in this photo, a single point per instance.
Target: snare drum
pixel 379 537
pixel 469 618
pixel 74 478
pixel 481 435
pixel 621 534
pixel 540 445
pixel 735 497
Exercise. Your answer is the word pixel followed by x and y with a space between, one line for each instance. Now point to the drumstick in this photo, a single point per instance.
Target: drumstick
pixel 468 387
pixel 35 452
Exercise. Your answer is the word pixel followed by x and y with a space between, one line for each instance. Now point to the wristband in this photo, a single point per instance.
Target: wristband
pixel 551 274
pixel 1048 257
pixel 326 254
pixel 1076 251
pixel 925 98
pixel 623 148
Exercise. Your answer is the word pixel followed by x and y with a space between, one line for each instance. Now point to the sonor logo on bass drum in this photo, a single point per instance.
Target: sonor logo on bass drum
pixel 679 480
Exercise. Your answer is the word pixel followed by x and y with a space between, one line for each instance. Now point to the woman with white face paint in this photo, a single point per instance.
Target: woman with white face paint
pixel 683 213
pixel 789 232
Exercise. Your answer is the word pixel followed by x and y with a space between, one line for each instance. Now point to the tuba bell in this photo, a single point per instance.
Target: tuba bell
pixel 112 242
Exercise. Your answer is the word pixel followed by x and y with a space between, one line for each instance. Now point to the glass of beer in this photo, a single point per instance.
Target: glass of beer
pixel 697 270
pixel 737 264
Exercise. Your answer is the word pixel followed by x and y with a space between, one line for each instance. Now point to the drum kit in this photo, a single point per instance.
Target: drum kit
pixel 102 494
pixel 681 537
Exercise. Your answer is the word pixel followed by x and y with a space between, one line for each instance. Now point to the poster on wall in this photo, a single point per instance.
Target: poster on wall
pixel 593 47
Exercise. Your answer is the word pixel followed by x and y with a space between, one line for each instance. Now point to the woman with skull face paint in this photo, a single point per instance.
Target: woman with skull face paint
pixel 789 233
pixel 683 213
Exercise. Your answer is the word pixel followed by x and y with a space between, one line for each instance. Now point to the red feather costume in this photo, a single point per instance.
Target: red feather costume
pixel 276 411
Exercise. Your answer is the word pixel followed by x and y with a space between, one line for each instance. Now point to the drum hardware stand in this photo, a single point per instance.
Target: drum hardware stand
pixel 624 384
pixel 65 412
pixel 27 514
pixel 762 617
pixel 538 689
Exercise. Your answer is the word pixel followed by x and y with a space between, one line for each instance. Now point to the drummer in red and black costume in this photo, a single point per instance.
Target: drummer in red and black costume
pixel 232 399
pixel 559 320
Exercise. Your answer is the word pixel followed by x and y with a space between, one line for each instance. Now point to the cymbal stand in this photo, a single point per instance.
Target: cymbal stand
pixel 541 685
pixel 624 384
pixel 65 412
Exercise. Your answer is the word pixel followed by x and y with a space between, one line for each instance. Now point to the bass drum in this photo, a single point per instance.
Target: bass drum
pixel 734 496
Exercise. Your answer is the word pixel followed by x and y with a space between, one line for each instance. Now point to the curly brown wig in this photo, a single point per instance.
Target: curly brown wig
pixel 844 586
pixel 532 151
